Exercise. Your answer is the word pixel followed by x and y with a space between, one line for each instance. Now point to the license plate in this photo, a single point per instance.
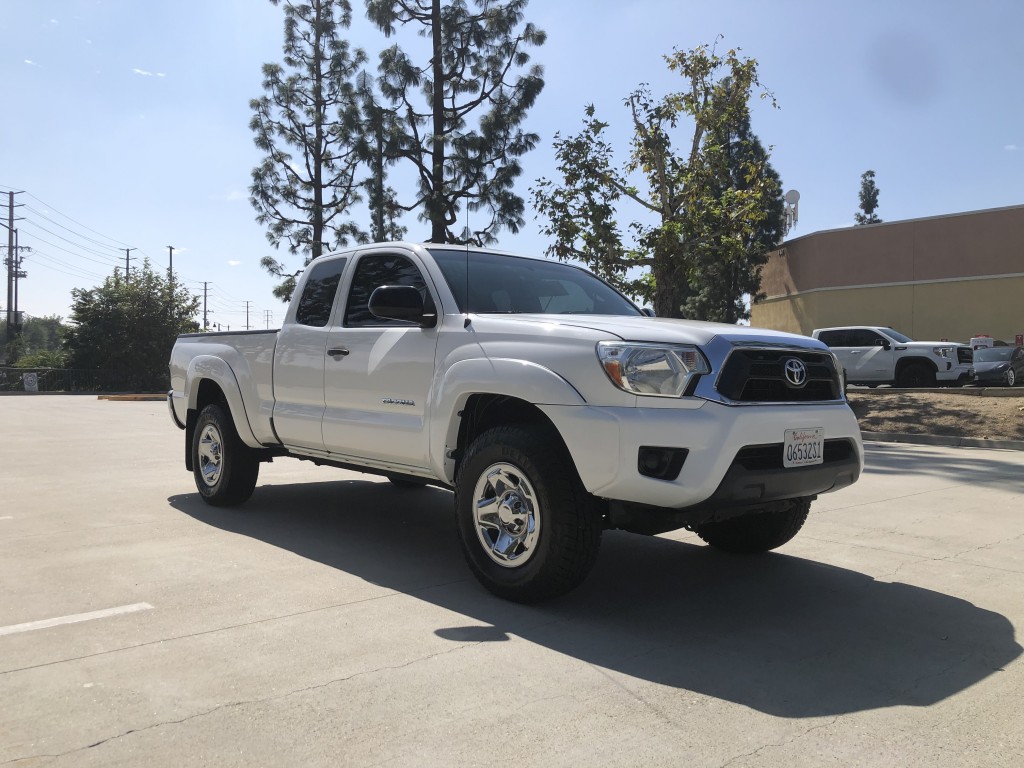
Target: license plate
pixel 803 447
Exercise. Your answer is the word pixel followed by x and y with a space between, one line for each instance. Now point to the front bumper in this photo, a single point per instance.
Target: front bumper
pixel 996 378
pixel 723 444
pixel 955 372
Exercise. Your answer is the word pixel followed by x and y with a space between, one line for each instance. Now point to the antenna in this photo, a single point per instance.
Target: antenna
pixel 792 199
pixel 465 323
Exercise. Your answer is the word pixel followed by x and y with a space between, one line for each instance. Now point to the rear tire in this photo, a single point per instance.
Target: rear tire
pixel 529 530
pixel 916 376
pixel 225 468
pixel 756 533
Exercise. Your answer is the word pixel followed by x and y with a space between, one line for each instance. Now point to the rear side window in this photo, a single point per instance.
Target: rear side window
pixel 833 338
pixel 318 294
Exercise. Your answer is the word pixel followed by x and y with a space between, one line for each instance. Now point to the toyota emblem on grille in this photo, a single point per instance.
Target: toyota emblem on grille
pixel 796 372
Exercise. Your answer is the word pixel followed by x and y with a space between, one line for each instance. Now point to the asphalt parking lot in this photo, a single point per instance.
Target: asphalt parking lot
pixel 332 621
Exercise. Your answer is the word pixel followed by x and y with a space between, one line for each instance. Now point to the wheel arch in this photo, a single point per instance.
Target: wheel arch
pixel 904 362
pixel 211 380
pixel 476 395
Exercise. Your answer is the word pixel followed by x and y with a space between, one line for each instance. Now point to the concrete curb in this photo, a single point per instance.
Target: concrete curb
pixel 953 442
pixel 132 398
pixel 955 391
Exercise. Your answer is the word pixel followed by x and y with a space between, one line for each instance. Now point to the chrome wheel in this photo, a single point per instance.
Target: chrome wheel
pixel 507 515
pixel 1011 377
pixel 209 454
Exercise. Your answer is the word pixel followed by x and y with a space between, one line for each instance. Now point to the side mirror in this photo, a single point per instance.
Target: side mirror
pixel 648 311
pixel 400 302
pixel 883 344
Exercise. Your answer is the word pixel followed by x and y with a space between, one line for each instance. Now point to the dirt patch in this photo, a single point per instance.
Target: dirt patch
pixel 945 412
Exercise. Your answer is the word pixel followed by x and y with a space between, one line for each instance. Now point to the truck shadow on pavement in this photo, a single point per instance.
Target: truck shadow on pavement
pixel 780 634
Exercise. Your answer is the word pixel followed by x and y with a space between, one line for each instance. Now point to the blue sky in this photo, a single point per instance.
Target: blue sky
pixel 126 122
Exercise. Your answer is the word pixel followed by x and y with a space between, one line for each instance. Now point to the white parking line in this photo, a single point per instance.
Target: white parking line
pixel 13 629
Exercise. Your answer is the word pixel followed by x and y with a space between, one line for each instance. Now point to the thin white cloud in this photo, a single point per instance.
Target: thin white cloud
pixel 235 194
pixel 234 263
pixel 32 63
pixel 1011 147
pixel 54 21
pixel 144 73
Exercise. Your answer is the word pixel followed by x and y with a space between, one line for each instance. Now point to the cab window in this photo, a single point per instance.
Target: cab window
pixel 317 298
pixel 373 271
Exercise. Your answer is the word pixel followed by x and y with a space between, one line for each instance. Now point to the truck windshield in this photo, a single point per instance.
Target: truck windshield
pixel 898 337
pixel 504 284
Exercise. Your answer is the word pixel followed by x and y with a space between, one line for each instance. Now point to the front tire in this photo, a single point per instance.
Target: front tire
pixel 529 530
pixel 916 376
pixel 1011 377
pixel 225 468
pixel 756 533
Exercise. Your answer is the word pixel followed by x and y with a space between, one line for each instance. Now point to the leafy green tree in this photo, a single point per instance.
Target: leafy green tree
pixel 129 326
pixel 698 211
pixel 868 200
pixel 309 125
pixel 476 49
pixel 38 342
pixel 721 289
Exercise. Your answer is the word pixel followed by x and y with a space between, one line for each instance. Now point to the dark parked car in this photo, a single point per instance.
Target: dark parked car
pixel 998 366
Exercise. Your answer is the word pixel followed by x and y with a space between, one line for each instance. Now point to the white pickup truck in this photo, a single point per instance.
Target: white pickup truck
pixel 873 355
pixel 552 405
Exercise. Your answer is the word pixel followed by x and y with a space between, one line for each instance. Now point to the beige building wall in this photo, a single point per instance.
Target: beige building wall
pixel 949 277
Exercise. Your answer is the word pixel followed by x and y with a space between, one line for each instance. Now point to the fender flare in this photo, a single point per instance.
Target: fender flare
pixel 215 369
pixel 521 379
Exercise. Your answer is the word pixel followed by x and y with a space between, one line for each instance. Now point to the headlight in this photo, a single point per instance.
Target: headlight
pixel 657 370
pixel 943 351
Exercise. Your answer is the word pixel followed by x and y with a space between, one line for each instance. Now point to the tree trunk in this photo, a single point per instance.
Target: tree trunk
pixel 438 225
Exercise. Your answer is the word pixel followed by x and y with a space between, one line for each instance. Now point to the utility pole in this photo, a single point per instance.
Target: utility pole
pixel 19 274
pixel 205 289
pixel 247 314
pixel 127 258
pixel 170 280
pixel 267 314
pixel 10 262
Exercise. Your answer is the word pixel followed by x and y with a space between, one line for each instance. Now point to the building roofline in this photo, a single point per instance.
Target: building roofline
pixel 784 243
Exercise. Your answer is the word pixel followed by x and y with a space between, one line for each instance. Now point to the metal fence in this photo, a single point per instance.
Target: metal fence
pixel 74 380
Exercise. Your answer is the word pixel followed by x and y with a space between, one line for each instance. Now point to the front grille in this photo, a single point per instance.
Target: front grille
pixel 758 376
pixel 761 457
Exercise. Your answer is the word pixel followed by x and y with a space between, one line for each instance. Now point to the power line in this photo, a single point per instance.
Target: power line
pixel 71 242
pixel 43 216
pixel 73 220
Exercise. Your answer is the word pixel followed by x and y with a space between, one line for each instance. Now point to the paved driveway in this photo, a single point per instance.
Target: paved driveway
pixel 331 621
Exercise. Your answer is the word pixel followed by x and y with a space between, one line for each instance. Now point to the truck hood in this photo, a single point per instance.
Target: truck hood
pixel 666 330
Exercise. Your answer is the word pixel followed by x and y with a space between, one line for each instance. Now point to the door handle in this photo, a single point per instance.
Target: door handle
pixel 337 351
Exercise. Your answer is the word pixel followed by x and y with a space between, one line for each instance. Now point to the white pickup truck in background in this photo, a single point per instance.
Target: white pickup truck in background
pixel 551 404
pixel 873 355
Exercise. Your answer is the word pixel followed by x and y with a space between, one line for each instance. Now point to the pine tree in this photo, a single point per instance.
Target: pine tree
pixel 868 200
pixel 309 125
pixel 459 109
